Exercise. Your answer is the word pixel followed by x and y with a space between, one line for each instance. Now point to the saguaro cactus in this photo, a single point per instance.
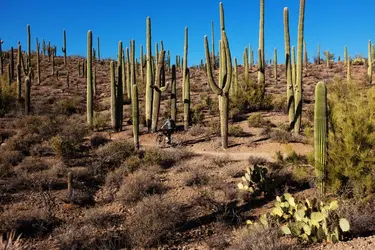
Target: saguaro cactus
pixel 134 97
pixel 298 93
pixel 53 63
pixel 113 96
pixel 149 76
pixel 246 66
pixel 19 73
pixel 128 75
pixel 37 61
pixel 289 81
pixel 345 55
pixel 306 60
pixel 27 95
pixel 174 94
pixel 64 48
pixel 222 90
pixel 120 91
pixel 1 58
pixel 369 69
pixel 275 65
pixel 186 84
pixel 124 75
pixel 213 44
pixel 98 49
pixel 28 47
pixel 141 63
pixel 320 134
pixel 12 62
pixel 159 87
pixel 89 98
pixel 327 59
pixel 294 68
pixel 234 87
pixel 261 70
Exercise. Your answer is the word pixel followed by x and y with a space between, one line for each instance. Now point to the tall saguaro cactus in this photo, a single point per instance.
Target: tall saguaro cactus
pixel 19 73
pixel 64 48
pixel 298 93
pixel 261 71
pixel 289 81
pixel 128 74
pixel 186 83
pixel 321 134
pixel 369 69
pixel 149 76
pixel 114 121
pixel 28 47
pixel 98 49
pixel 294 68
pixel 27 95
pixel 37 61
pixel 134 97
pixel 234 87
pixel 213 43
pixel 89 97
pixel 141 61
pixel 246 66
pixel 159 87
pixel 345 55
pixel 1 58
pixel 221 89
pixel 251 57
pixel 174 94
pixel 120 91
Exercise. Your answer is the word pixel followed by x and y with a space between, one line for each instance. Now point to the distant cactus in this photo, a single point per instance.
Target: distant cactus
pixel 19 82
pixel 345 55
pixel 174 94
pixel 53 64
pixel 37 61
pixel 213 44
pixel 275 65
pixel 98 49
pixel 9 75
pixel 289 81
pixel 327 59
pixel 321 134
pixel 246 66
pixel 27 95
pixel 1 58
pixel 134 97
pixel 234 87
pixel 12 62
pixel 261 70
pixel 120 91
pixel 89 100
pixel 44 47
pixel 222 90
pixel 113 96
pixel 141 63
pixel 125 77
pixel 28 46
pixel 64 48
pixel 251 62
pixel 186 83
pixel 298 86
pixel 369 70
pixel 128 75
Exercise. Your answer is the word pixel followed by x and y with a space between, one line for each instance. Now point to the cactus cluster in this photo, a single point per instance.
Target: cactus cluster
pixel 254 181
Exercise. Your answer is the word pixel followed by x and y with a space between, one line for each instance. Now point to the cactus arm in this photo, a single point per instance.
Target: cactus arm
pixel 210 76
pixel 228 57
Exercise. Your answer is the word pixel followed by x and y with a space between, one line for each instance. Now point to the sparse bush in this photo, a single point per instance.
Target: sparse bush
pixel 63 147
pixel 115 152
pixel 256 120
pixel 67 106
pixel 139 185
pixel 8 96
pixel 164 159
pixel 279 103
pixel 197 178
pixel 153 220
pixel 197 116
pixel 237 131
pixel 100 121
pixel 196 130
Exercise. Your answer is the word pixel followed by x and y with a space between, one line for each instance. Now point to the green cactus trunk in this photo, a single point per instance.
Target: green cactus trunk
pixel 134 97
pixel 27 95
pixel 37 61
pixel 1 58
pixel 158 89
pixel 294 68
pixel 318 59
pixel 141 64
pixel 275 65
pixel 327 59
pixel 174 94
pixel 113 96
pixel 306 60
pixel 234 87
pixel 225 78
pixel 53 64
pixel 128 75
pixel 298 86
pixel 11 62
pixel 320 135
pixel 64 48
pixel 373 53
pixel 186 83
pixel 348 73
pixel 98 49
pixel 251 58
pixel 288 65
pixel 19 73
pixel 125 76
pixel 345 55
pixel 261 70
pixel 213 44
pixel 369 69
pixel 94 82
pixel 120 93
pixel 246 66
pixel 149 76
pixel 28 47
pixel 89 98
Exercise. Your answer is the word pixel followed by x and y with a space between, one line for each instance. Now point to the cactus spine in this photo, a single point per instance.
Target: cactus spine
pixel 159 87
pixel 27 95
pixel 225 78
pixel 64 48
pixel 289 81
pixel 320 134
pixel 369 69
pixel 186 83
pixel 246 66
pixel 298 93
pixel 37 61
pixel 275 65
pixel 149 76
pixel 174 94
pixel 261 70
pixel 89 98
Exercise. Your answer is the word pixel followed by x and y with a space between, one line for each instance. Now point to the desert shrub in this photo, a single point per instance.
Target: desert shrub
pixel 100 121
pixel 98 140
pixel 351 139
pixel 8 96
pixel 154 218
pixel 63 147
pixel 115 152
pixel 197 177
pixel 139 185
pixel 197 115
pixel 196 130
pixel 359 60
pixel 67 106
pixel 256 120
pixel 237 131
pixel 165 159
pixel 7 160
pixel 213 128
pixel 251 99
pixel 279 103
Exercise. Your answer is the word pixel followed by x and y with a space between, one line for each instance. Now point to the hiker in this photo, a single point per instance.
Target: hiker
pixel 169 127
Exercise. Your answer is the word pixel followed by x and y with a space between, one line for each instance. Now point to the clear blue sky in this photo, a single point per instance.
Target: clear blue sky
pixel 331 23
